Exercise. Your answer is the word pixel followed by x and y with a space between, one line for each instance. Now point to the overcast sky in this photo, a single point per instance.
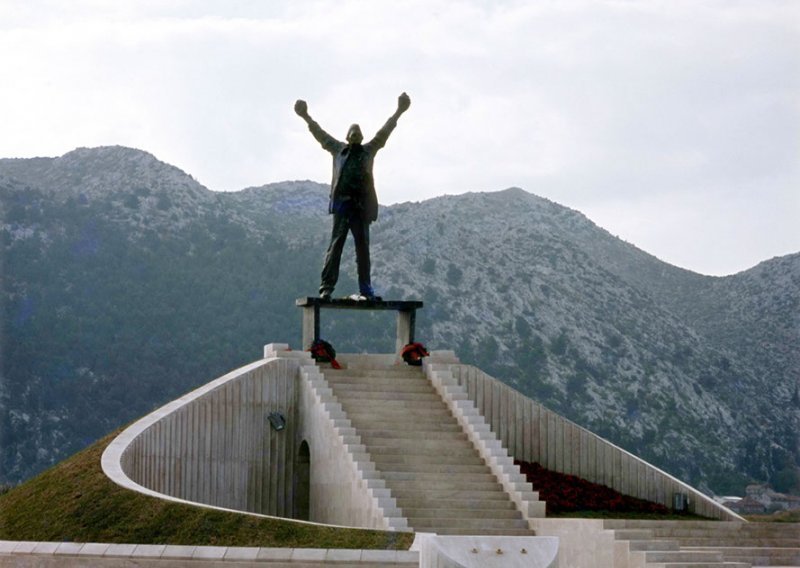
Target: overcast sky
pixel 673 124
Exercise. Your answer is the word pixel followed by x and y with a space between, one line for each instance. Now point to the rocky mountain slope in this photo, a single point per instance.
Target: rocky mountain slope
pixel 126 283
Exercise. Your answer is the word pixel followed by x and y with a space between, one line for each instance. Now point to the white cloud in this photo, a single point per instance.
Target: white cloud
pixel 600 105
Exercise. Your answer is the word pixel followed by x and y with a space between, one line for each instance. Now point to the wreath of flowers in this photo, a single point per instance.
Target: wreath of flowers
pixel 413 353
pixel 323 352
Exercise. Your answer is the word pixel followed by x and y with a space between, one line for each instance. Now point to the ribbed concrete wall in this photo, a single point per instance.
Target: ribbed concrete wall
pixel 533 433
pixel 215 445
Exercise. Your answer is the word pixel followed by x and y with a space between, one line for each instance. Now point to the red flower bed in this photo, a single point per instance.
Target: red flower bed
pixel 564 493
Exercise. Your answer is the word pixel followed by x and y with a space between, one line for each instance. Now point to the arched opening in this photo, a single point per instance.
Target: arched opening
pixel 302 483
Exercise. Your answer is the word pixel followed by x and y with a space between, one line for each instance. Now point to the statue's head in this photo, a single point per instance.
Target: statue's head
pixel 354 135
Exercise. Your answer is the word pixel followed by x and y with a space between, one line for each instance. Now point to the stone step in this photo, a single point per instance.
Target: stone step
pixel 412 431
pixel 397 418
pixel 373 431
pixel 451 531
pixel 448 484
pixel 384 386
pixel 650 523
pixel 710 532
pixel 697 565
pixel 436 477
pixel 384 373
pixel 422 524
pixel 380 405
pixel 757 555
pixel 452 469
pixel 666 556
pixel 380 397
pixel 452 500
pixel 739 540
pixel 703 528
pixel 695 531
pixel 430 458
pixel 462 513
pixel 402 413
pixel 374 428
pixel 633 534
pixel 643 545
pixel 428 447
pixel 376 373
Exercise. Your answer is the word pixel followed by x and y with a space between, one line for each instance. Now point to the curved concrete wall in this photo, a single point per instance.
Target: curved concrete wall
pixel 215 447
pixel 533 433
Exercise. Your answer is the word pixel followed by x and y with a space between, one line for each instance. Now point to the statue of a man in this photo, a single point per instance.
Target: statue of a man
pixel 353 202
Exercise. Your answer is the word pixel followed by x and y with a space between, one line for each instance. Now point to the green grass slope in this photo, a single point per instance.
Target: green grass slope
pixel 75 501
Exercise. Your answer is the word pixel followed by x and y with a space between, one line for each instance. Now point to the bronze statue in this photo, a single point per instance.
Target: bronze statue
pixel 353 202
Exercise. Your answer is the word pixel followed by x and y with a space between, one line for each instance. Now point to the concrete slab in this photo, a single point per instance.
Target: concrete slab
pixel 407 557
pixel 242 553
pixel 7 546
pixel 274 554
pixel 69 548
pixel 148 551
pixel 46 547
pixel 379 556
pixel 177 552
pixel 24 547
pixel 308 554
pixel 94 549
pixel 120 550
pixel 342 555
pixel 209 553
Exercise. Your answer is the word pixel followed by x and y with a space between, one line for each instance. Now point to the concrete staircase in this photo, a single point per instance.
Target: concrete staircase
pixel 439 481
pixel 711 543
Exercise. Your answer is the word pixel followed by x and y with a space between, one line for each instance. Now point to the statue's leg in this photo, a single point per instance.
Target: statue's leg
pixel 330 270
pixel 360 230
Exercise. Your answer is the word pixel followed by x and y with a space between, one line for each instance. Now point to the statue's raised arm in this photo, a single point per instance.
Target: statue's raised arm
pixel 327 141
pixel 379 141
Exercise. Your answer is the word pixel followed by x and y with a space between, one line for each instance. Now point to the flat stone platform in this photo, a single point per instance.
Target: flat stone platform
pixel 406 315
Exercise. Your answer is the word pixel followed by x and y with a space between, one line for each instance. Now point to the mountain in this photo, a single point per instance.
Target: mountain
pixel 127 283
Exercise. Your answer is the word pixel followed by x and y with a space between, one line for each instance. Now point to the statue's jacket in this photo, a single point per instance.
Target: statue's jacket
pixel 352 186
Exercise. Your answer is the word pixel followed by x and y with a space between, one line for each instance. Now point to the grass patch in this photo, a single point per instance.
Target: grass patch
pixel 74 501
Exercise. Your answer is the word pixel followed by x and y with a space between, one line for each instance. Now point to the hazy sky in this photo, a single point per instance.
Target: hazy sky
pixel 673 124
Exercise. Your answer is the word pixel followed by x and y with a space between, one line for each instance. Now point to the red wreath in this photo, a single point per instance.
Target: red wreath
pixel 323 352
pixel 413 353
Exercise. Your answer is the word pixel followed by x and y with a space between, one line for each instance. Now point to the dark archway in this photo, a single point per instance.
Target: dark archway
pixel 302 483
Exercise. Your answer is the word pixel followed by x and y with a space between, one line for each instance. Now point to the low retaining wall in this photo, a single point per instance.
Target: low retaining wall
pixel 103 555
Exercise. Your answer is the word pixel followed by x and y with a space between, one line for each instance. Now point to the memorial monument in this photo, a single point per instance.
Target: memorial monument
pixel 353 201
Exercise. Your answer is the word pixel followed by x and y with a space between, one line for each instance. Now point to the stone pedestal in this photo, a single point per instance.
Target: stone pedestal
pixel 406 316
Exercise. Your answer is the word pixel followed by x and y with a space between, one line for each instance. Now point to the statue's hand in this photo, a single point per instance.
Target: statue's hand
pixel 301 108
pixel 403 102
